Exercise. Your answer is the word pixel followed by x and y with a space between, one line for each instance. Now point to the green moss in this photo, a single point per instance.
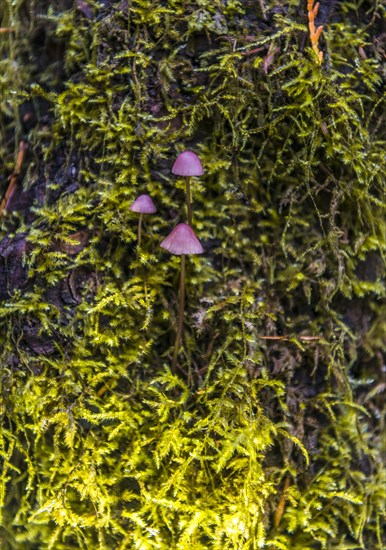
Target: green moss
pixel 281 376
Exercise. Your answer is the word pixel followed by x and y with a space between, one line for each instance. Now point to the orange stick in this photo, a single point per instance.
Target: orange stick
pixel 314 33
pixel 12 183
pixel 281 506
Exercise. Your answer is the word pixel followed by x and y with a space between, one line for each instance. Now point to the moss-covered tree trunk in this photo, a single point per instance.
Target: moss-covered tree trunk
pixel 269 432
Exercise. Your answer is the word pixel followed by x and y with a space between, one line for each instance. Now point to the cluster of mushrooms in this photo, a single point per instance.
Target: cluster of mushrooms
pixel 182 240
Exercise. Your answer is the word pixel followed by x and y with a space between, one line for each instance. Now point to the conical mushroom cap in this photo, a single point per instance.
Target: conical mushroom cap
pixel 182 240
pixel 144 205
pixel 187 164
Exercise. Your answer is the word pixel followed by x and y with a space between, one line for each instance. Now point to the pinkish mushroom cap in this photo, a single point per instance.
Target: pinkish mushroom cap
pixel 182 240
pixel 144 205
pixel 187 164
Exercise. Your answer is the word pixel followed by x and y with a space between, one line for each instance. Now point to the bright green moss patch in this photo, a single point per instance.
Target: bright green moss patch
pixel 269 435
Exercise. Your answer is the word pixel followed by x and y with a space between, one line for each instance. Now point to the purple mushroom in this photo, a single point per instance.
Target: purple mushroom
pixel 143 205
pixel 188 164
pixel 181 241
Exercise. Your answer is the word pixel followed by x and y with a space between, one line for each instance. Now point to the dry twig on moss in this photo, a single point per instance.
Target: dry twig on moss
pixel 314 33
pixel 12 183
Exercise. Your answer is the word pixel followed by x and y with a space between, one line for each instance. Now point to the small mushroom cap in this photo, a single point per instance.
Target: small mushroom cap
pixel 187 164
pixel 144 205
pixel 182 240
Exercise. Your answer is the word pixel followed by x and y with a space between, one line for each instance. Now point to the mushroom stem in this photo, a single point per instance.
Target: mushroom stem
pixel 140 229
pixel 188 203
pixel 180 313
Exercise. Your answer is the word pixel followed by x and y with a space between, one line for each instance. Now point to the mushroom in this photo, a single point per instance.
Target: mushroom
pixel 143 205
pixel 181 241
pixel 188 164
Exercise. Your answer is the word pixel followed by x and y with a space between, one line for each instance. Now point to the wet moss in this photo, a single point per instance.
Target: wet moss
pixel 269 435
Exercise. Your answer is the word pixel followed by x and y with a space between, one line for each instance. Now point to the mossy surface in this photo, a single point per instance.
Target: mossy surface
pixel 269 435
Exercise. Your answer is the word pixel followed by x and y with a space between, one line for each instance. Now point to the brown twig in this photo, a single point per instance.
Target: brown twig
pixel 314 32
pixel 273 337
pixel 12 183
pixel 251 52
pixel 281 506
pixel 6 29
pixel 303 338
